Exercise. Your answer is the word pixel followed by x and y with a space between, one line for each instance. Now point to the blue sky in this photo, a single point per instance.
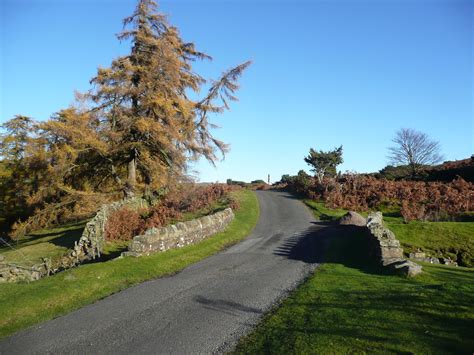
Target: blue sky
pixel 325 73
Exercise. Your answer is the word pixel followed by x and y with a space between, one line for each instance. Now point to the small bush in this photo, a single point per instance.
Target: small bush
pixel 162 214
pixel 71 209
pixel 189 198
pixel 464 258
pixel 123 224
pixel 234 204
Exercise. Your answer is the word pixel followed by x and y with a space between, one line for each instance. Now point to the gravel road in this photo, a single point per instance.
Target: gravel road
pixel 205 308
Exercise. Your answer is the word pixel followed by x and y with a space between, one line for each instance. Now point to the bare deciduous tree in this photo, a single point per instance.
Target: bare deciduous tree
pixel 415 149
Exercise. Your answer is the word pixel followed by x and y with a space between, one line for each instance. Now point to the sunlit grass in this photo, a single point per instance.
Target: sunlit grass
pixel 352 306
pixel 438 239
pixel 26 304
pixel 51 243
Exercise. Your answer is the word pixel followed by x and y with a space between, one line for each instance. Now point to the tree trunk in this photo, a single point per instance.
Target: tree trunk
pixel 413 170
pixel 147 179
pixel 129 190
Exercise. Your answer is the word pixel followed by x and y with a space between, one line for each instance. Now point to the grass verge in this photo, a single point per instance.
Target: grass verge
pixel 323 213
pixel 53 243
pixel 452 239
pixel 351 306
pixel 438 239
pixel 26 304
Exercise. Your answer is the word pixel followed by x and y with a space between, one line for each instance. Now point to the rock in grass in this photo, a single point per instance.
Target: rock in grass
pixel 353 219
pixel 420 256
pixel 406 267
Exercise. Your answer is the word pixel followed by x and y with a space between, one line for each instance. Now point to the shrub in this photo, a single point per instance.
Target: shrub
pixel 234 204
pixel 285 179
pixel 161 214
pixel 465 258
pixel 189 198
pixel 123 224
pixel 416 200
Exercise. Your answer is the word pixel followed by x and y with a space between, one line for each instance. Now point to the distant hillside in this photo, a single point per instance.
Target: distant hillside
pixel 446 171
pixel 449 170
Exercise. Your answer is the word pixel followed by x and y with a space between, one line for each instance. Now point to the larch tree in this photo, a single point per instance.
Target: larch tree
pixel 153 128
pixel 20 152
pixel 52 167
pixel 134 131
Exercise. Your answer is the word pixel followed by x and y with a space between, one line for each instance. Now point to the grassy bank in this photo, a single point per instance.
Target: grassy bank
pixel 352 306
pixel 452 239
pixel 51 243
pixel 447 239
pixel 26 304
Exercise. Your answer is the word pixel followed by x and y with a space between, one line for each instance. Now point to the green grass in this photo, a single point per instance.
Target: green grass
pixel 51 243
pixel 438 239
pixel 323 213
pixel 26 304
pixel 352 306
pixel 453 239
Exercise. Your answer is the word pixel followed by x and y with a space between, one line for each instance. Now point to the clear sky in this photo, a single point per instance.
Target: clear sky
pixel 325 73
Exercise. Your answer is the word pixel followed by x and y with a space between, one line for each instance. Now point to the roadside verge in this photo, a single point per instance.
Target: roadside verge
pixel 351 304
pixel 23 305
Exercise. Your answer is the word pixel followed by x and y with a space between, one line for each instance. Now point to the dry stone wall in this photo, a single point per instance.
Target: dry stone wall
pixel 92 241
pixel 385 247
pixel 179 235
pixel 16 273
pixel 89 247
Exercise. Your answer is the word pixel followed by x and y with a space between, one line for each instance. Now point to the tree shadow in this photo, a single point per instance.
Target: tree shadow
pixel 433 317
pixel 290 195
pixel 63 237
pixel 66 238
pixel 224 306
pixel 324 223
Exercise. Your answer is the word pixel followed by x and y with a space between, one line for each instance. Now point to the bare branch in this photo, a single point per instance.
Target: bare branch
pixel 415 149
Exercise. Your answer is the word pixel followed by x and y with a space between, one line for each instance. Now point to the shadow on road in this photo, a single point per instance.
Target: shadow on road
pixel 228 307
pixel 313 246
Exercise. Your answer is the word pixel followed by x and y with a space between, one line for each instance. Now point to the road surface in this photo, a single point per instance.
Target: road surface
pixel 205 308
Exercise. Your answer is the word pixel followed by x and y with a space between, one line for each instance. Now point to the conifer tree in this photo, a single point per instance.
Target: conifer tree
pixel 23 168
pixel 153 127
pixel 134 131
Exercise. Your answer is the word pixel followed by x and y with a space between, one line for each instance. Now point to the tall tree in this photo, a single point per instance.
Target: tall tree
pixel 134 131
pixel 22 174
pixel 415 149
pixel 56 170
pixel 153 127
pixel 324 163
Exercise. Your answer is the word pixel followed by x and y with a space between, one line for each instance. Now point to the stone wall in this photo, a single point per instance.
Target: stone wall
pixel 16 273
pixel 385 247
pixel 89 247
pixel 179 235
pixel 421 256
pixel 92 241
